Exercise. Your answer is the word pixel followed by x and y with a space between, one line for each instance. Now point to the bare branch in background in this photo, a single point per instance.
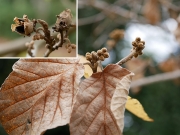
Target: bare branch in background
pixel 112 9
pixel 156 78
pixel 92 19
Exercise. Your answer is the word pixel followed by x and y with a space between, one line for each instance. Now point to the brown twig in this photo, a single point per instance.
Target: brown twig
pixel 127 58
pixel 138 46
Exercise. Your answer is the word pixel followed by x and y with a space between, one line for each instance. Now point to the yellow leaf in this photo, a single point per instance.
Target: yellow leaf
pixel 87 69
pixel 135 107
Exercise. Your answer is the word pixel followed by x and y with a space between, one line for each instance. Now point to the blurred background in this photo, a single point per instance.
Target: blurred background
pixel 13 44
pixel 156 83
pixel 115 24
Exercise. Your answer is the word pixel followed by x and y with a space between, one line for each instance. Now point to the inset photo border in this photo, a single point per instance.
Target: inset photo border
pixel 38 29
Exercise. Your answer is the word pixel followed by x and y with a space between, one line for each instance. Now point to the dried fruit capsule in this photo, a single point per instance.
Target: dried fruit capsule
pixel 22 26
pixel 64 20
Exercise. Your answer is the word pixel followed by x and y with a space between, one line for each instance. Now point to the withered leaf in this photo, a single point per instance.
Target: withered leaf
pixel 39 95
pixel 152 11
pixel 119 99
pixel 92 114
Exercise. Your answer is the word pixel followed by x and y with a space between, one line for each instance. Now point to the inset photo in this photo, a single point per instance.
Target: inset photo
pixel 43 28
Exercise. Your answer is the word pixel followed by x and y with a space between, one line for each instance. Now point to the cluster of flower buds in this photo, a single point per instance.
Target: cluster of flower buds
pixel 68 45
pixel 38 36
pixel 23 26
pixel 114 36
pixel 93 57
pixel 30 46
pixel 103 54
pixel 138 46
pixel 117 34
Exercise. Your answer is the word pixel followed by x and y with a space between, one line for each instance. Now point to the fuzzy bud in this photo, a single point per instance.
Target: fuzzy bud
pixel 99 52
pixel 69 49
pixel 89 57
pixel 135 55
pixel 94 56
pixel 73 46
pixel 106 55
pixel 134 43
pixel 87 54
pixel 104 50
pixel 101 58
pixel 138 39
pixel 143 42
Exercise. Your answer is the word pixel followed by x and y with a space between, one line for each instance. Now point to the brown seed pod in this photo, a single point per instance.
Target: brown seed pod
pixel 22 26
pixel 64 20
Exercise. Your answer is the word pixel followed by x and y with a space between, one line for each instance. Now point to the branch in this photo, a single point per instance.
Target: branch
pixel 14 46
pixel 167 4
pixel 138 46
pixel 112 9
pixel 127 58
pixel 156 78
pixel 92 19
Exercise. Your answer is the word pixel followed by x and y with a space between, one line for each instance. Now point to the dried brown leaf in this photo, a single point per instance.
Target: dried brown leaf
pixel 119 99
pixel 39 95
pixel 91 113
pixel 152 11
